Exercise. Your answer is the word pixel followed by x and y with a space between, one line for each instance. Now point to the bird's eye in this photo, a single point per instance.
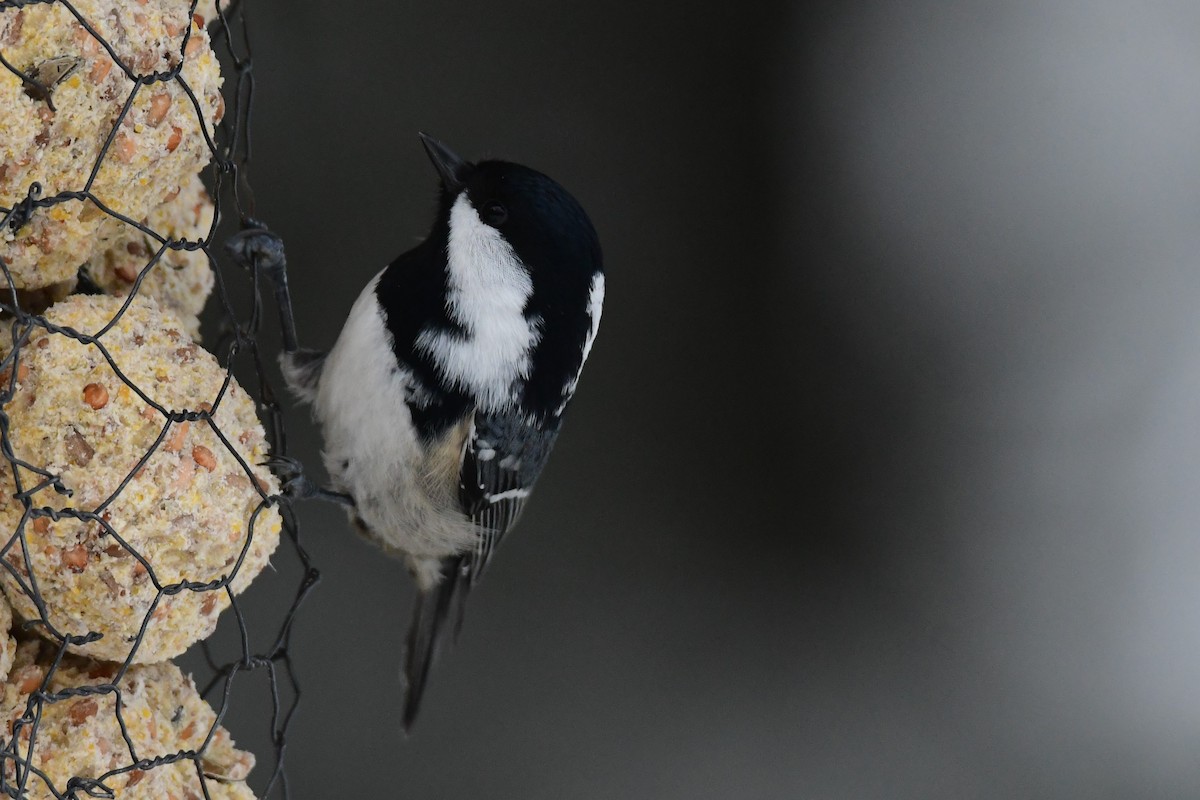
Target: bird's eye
pixel 494 213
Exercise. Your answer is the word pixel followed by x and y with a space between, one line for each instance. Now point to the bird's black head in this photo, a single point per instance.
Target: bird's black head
pixel 525 237
pixel 540 220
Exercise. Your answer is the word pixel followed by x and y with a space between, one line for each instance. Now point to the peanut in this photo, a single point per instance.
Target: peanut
pixel 160 104
pixel 22 374
pixel 75 558
pixel 124 148
pixel 127 273
pixel 14 30
pixel 183 478
pixel 100 70
pixel 174 442
pixel 88 46
pixel 95 395
pixel 204 457
pixel 29 678
pixel 82 711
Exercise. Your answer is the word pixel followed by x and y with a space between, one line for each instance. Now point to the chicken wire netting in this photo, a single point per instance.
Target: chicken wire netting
pixel 113 420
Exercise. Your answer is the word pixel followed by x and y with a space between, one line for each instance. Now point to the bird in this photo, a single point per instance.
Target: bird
pixel 443 395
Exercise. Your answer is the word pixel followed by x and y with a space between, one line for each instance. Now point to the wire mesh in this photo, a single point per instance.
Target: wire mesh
pixel 241 308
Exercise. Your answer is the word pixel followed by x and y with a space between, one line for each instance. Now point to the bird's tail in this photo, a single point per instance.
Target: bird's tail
pixel 443 601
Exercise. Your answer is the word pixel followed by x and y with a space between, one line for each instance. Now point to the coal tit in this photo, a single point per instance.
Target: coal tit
pixel 447 386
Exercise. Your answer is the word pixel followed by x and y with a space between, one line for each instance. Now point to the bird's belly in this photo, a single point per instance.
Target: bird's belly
pixel 404 516
pixel 405 495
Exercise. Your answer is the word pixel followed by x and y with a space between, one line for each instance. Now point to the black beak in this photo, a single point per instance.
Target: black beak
pixel 452 168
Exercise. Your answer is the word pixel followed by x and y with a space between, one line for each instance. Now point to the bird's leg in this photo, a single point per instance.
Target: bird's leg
pixel 297 486
pixel 256 247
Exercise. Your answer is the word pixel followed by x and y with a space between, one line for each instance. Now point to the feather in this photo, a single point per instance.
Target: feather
pixel 444 600
pixel 302 372
pixel 502 456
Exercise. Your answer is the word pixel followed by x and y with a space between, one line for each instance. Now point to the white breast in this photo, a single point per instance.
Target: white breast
pixel 405 495
pixel 488 290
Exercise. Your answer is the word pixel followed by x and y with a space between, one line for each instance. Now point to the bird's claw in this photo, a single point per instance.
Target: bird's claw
pixel 295 485
pixel 283 466
pixel 256 246
pixel 292 481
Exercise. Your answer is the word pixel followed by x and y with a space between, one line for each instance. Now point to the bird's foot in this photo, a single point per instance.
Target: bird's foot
pixel 297 486
pixel 255 246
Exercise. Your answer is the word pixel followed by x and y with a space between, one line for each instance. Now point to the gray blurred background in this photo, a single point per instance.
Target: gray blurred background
pixel 881 482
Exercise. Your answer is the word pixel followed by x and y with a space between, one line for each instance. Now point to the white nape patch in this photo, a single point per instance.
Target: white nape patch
pixel 488 290
pixel 595 308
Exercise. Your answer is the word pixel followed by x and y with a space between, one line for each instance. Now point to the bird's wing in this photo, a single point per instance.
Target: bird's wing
pixel 502 458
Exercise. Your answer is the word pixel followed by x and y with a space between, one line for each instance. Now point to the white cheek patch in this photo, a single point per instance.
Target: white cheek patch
pixel 488 291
